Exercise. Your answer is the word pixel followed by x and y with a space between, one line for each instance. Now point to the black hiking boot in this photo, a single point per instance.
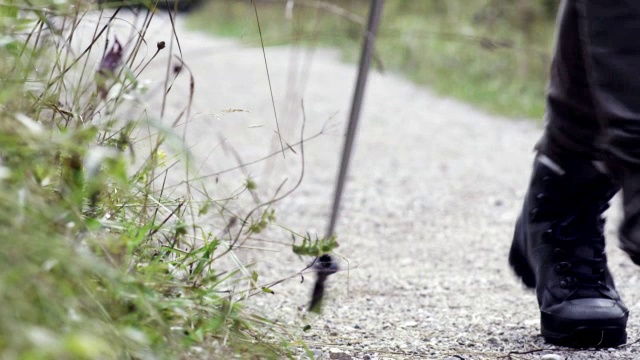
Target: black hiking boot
pixel 558 249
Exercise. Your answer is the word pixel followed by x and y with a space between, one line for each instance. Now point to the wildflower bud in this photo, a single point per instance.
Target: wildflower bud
pixel 160 45
pixel 112 59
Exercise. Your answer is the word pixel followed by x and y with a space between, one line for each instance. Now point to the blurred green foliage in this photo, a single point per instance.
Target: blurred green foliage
pixel 490 53
pixel 95 261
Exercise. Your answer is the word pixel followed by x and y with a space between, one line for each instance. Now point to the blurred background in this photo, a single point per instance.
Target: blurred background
pixel 490 53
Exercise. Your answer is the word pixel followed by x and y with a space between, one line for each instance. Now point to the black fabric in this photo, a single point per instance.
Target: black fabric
pixel 593 102
pixel 572 124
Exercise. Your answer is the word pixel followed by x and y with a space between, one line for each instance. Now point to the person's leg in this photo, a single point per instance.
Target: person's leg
pixel 572 128
pixel 612 30
pixel 558 245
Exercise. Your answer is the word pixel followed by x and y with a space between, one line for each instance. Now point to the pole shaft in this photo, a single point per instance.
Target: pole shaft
pixel 363 71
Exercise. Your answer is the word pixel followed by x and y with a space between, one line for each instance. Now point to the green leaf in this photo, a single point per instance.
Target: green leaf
pixel 315 247
pixel 209 249
pixel 267 290
pixel 204 209
pixel 93 224
pixel 9 11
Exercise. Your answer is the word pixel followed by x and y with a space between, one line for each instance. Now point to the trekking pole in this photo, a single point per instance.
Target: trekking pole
pixel 325 265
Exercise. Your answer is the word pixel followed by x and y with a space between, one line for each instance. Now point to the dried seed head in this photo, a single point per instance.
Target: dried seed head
pixel 161 45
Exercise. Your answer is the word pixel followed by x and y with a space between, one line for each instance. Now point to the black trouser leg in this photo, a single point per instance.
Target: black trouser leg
pixel 612 48
pixel 572 128
pixel 593 104
pixel 611 38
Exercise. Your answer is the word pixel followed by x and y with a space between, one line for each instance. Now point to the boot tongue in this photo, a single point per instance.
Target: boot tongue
pixel 584 267
pixel 586 272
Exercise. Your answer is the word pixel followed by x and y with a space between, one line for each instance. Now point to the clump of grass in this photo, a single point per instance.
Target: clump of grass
pixel 491 53
pixel 96 261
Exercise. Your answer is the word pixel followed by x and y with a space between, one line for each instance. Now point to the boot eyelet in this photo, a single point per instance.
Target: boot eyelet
pixel 533 214
pixel 541 196
pixel 562 267
pixel 548 235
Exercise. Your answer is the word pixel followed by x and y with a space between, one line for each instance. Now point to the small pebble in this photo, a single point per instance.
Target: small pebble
pixel 340 356
pixel 409 324
pixel 551 357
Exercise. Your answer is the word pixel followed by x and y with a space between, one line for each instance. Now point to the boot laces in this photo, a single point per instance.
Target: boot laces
pixel 579 241
pixel 576 231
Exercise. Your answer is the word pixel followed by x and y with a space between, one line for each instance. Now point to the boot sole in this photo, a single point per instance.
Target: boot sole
pixel 588 337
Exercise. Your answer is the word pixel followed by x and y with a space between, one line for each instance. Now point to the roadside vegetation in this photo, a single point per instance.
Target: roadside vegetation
pixel 98 258
pixel 493 54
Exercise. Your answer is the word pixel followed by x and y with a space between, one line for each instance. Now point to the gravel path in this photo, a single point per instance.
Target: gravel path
pixel 434 189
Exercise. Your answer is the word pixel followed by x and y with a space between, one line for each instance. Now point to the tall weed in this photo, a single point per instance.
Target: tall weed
pixel 97 259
